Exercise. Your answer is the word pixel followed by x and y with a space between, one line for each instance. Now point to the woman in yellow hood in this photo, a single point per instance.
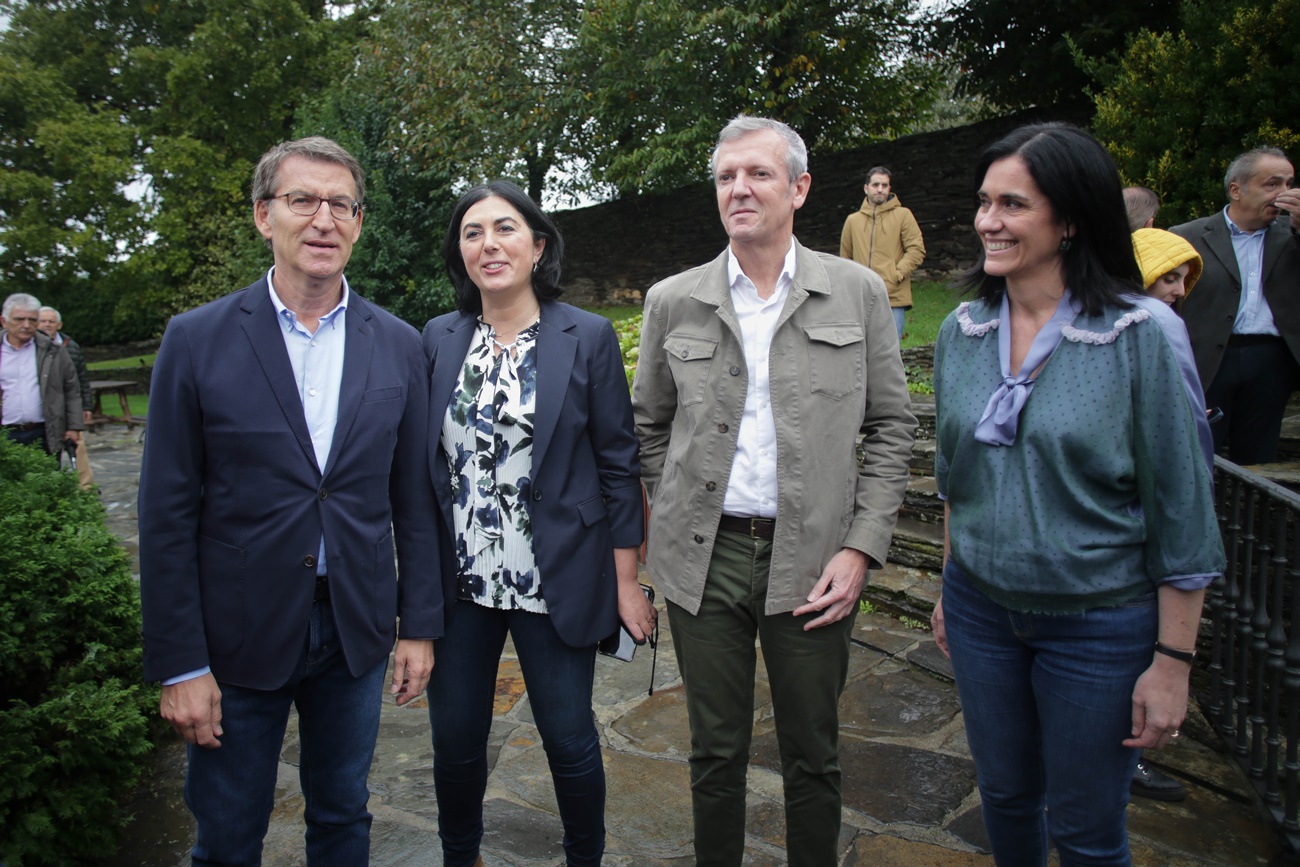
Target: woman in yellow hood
pixel 1170 265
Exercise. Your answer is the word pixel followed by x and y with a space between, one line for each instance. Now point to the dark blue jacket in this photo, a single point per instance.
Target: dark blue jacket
pixel 585 491
pixel 233 504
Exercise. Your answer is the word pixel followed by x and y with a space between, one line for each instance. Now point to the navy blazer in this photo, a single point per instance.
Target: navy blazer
pixel 1211 307
pixel 584 496
pixel 233 504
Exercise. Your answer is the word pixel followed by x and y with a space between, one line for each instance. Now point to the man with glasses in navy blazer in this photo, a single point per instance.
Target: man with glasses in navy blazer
pixel 286 463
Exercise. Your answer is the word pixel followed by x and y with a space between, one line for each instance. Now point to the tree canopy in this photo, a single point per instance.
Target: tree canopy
pixel 609 95
pixel 1024 53
pixel 129 128
pixel 1182 105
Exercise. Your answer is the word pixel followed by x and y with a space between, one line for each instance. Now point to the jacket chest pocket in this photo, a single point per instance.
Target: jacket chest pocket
pixel 836 365
pixel 689 358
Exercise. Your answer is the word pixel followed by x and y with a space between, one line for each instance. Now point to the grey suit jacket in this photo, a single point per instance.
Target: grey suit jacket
pixel 1209 310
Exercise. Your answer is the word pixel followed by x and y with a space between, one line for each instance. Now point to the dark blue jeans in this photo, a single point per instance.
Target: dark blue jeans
pixel 1047 701
pixel 231 789
pixel 461 693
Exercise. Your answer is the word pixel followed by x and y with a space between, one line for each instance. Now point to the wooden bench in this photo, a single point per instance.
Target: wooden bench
pixel 98 387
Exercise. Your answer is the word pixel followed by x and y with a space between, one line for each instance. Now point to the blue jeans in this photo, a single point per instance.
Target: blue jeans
pixel 899 313
pixel 231 789
pixel 1047 701
pixel 461 693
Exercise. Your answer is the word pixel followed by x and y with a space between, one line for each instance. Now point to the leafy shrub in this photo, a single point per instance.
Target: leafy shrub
pixel 74 719
pixel 424 300
pixel 629 343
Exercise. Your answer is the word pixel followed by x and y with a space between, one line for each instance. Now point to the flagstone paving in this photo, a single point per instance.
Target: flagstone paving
pixel 909 783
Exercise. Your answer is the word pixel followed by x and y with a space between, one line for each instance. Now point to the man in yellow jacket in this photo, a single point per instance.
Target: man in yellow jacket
pixel 884 236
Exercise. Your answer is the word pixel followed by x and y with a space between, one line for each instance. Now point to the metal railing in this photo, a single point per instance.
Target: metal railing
pixel 1254 644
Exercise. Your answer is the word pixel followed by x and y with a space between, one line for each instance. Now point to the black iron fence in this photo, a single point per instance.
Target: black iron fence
pixel 1254 645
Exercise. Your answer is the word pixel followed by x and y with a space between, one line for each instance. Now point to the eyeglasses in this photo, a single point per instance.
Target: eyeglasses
pixel 304 205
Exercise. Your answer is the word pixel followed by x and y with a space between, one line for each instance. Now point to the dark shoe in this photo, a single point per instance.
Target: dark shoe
pixel 1150 783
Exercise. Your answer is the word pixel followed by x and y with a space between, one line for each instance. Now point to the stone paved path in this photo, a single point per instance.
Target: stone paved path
pixel 909 783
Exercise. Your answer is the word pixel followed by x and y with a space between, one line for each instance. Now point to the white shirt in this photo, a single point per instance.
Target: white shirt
pixel 751 488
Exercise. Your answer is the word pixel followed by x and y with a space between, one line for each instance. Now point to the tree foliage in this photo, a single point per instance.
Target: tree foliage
pixel 627 95
pixel 478 87
pixel 1022 53
pixel 1182 105
pixel 660 77
pixel 130 128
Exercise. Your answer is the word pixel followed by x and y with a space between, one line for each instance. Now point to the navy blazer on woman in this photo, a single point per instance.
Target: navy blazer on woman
pixel 233 504
pixel 584 496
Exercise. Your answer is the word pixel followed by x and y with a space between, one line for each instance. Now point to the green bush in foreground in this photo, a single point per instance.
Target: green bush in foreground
pixel 74 718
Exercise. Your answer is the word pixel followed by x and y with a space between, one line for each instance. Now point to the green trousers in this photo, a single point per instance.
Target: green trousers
pixel 806 671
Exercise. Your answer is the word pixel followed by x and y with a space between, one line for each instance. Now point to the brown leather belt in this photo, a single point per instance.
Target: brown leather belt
pixel 754 528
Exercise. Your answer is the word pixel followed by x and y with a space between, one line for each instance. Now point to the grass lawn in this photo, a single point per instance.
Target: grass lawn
pixel 132 361
pixel 931 302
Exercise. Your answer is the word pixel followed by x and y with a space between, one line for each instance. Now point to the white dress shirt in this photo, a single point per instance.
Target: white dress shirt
pixel 751 488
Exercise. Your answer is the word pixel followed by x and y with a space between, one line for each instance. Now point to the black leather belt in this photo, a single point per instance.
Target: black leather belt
pixel 754 528
pixel 322 589
pixel 1253 339
pixel 27 425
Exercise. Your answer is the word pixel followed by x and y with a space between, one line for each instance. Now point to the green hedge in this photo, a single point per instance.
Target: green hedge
pixel 74 717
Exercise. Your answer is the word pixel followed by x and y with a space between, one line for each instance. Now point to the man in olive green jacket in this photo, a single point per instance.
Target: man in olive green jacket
pixel 884 236
pixel 758 374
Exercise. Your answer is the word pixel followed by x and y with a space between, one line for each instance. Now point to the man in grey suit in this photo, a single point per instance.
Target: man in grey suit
pixel 758 374
pixel 1244 317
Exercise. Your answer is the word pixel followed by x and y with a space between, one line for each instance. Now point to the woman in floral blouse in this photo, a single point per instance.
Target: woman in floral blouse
pixel 536 471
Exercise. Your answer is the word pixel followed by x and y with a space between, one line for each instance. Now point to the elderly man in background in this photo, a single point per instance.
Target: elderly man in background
pixel 50 323
pixel 40 400
pixel 1244 317
pixel 1141 205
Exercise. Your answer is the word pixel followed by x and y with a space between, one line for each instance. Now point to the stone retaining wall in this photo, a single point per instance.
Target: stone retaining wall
pixel 617 250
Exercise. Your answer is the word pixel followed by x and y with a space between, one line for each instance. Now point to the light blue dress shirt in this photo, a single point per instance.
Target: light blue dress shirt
pixel 19 383
pixel 1254 316
pixel 317 360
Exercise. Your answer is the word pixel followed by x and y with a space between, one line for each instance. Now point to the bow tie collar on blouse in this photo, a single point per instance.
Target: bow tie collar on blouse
pixel 1001 417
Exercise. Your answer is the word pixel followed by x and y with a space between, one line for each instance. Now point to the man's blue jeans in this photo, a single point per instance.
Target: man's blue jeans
pixel 231 789
pixel 1047 701
pixel 462 690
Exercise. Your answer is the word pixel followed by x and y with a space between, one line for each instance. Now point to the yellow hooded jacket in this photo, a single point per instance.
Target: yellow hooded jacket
pixel 887 240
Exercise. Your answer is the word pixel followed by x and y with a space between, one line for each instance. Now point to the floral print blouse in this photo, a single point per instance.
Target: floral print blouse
pixel 487 435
